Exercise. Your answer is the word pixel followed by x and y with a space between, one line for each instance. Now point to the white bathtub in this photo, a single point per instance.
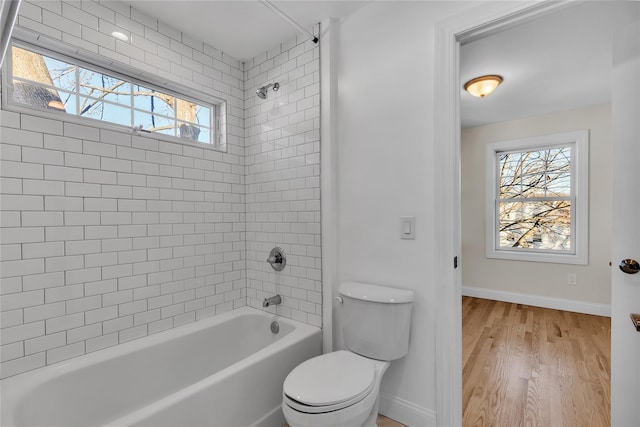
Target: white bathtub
pixel 224 371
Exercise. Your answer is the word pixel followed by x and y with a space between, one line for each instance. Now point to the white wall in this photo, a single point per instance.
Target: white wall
pixel 385 141
pixel 282 140
pixel 538 279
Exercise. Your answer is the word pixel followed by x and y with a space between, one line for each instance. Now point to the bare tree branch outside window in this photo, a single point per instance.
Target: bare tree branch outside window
pixel 48 83
pixel 535 202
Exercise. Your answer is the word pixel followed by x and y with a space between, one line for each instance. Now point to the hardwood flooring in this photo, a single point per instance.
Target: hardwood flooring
pixel 531 366
pixel 383 421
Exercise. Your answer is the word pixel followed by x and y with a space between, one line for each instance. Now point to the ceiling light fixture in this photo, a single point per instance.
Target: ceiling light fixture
pixel 483 85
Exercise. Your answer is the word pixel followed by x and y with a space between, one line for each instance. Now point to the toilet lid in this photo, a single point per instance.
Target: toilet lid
pixel 334 379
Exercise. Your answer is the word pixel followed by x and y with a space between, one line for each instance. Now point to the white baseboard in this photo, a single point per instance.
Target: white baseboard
pixel 538 301
pixel 406 412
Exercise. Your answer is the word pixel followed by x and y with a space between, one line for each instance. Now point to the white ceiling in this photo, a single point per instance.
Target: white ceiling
pixel 243 29
pixel 557 62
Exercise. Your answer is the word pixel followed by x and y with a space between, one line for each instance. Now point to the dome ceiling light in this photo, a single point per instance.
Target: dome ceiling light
pixel 483 85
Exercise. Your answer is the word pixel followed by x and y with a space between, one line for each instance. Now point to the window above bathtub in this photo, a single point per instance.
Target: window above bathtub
pixel 54 83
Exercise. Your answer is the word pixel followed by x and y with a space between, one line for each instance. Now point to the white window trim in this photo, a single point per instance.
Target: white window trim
pixel 579 140
pixel 43 44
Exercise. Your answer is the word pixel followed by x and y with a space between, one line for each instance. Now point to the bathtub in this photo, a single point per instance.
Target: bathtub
pixel 223 371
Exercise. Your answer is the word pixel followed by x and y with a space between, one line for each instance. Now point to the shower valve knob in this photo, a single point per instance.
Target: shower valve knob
pixel 277 259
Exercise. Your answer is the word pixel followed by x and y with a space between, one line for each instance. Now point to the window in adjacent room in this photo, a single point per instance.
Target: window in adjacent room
pixel 537 199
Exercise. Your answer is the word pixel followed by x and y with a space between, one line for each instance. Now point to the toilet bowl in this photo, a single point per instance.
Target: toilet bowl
pixel 342 388
pixel 335 389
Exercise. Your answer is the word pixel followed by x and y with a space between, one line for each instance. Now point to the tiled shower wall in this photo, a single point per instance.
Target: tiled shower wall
pixel 106 236
pixel 282 161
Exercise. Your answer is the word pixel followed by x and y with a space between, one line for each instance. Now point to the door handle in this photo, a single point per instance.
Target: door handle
pixel 635 318
pixel 629 266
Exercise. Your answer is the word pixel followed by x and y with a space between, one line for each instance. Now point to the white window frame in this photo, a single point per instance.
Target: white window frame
pixel 64 52
pixel 579 142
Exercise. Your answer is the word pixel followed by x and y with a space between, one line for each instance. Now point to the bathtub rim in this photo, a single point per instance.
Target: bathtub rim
pixel 13 389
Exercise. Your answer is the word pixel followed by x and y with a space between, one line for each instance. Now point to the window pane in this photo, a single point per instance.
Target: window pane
pixel 153 101
pixel 33 95
pixel 559 185
pixel 536 173
pixel 509 187
pixel 509 162
pixel 205 135
pixel 559 172
pixel 154 123
pixel 537 225
pixel 62 74
pixel 203 116
pixel 33 81
pixel 533 184
pixel 99 85
pixel 194 132
pixel 558 159
pixel 100 110
pixel 532 162
pixel 34 67
pixel 510 174
pixel 68 100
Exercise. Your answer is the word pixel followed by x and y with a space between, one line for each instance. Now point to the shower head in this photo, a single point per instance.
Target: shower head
pixel 262 91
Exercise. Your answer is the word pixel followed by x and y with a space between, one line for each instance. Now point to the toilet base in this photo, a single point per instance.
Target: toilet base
pixel 361 414
pixel 348 417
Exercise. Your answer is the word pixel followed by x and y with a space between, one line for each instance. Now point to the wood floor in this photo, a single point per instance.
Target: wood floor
pixel 387 422
pixel 530 366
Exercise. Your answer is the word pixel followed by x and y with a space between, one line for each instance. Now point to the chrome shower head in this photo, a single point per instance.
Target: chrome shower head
pixel 262 91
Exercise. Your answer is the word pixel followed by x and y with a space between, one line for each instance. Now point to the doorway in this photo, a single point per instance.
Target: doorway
pixel 543 349
pixel 461 29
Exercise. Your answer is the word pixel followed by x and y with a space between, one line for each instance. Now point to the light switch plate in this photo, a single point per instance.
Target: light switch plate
pixel 407 227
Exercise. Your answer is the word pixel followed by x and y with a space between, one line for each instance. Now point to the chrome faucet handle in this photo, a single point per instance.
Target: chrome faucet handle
pixel 277 259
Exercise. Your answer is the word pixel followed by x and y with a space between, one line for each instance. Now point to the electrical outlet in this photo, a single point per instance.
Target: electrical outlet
pixel 571 279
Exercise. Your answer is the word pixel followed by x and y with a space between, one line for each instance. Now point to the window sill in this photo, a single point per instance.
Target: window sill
pixel 532 256
pixel 97 124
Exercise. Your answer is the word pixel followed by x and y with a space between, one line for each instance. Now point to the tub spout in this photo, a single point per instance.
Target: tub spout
pixel 274 300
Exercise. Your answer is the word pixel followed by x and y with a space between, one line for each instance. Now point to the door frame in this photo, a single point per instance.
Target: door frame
pixel 477 22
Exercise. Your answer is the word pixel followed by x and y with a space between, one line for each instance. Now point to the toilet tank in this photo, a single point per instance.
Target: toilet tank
pixel 376 320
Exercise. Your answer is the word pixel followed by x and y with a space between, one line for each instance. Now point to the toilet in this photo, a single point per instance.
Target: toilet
pixel 342 388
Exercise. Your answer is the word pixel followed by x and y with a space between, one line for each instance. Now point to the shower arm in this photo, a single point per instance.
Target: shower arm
pixel 262 91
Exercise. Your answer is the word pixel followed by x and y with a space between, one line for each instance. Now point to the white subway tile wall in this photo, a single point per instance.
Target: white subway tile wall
pixel 282 162
pixel 107 237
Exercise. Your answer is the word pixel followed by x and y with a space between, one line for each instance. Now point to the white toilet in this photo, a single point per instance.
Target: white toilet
pixel 342 388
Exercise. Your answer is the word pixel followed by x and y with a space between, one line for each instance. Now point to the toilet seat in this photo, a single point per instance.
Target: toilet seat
pixel 329 382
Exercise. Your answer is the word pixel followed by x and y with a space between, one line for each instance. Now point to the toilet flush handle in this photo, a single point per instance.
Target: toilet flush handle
pixel 339 299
